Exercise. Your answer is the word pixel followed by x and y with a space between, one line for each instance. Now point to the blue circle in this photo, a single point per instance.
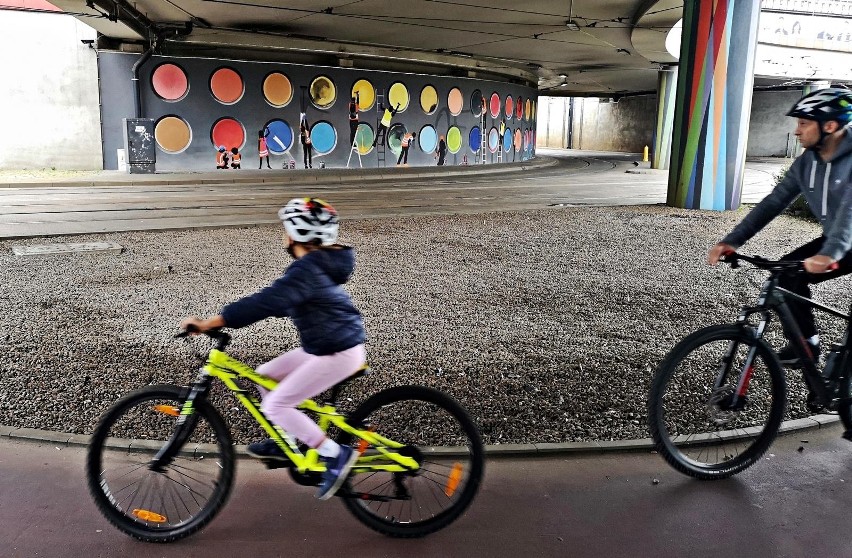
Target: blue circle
pixel 493 139
pixel 280 138
pixel 474 139
pixel 323 137
pixel 428 139
pixel 507 140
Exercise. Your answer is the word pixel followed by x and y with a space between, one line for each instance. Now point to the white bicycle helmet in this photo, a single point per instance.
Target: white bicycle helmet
pixel 309 219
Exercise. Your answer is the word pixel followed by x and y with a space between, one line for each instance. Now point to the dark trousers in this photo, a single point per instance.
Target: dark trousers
pixel 403 155
pixel 306 149
pixel 441 156
pixel 383 131
pixel 353 127
pixel 800 284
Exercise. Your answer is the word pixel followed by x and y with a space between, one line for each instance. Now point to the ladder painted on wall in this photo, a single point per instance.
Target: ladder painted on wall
pixel 380 148
pixel 483 135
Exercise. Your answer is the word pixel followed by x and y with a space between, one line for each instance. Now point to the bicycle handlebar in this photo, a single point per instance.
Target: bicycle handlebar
pixel 222 339
pixel 788 266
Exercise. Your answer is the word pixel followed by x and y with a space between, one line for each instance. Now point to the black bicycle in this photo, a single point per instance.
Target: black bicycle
pixel 718 398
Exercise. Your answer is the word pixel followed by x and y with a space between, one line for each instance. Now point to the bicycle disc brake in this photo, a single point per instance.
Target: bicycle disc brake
pixel 721 406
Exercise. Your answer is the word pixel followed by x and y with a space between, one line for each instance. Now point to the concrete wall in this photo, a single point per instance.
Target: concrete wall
pixel 770 132
pixel 629 124
pixel 49 93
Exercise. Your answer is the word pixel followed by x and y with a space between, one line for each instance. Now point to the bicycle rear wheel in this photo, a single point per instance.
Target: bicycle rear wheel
pixel 694 423
pixel 440 435
pixel 159 505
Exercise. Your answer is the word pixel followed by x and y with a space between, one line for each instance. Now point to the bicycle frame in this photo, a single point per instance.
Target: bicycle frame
pixel 773 298
pixel 228 369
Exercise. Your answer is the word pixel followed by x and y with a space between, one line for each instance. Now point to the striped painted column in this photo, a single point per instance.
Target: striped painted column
pixel 666 93
pixel 715 80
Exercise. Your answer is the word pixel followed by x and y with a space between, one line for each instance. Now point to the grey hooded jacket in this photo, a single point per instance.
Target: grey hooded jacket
pixel 826 185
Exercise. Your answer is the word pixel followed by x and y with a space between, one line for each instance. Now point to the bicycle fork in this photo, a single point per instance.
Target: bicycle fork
pixel 184 425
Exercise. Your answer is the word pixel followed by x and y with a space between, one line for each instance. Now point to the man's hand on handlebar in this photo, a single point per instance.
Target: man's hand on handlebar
pixel 718 251
pixel 201 325
pixel 820 264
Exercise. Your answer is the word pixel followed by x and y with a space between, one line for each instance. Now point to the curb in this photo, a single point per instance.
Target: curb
pixel 492 450
pixel 328 176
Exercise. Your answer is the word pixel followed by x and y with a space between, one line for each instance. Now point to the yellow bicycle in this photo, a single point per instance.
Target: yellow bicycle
pixel 160 463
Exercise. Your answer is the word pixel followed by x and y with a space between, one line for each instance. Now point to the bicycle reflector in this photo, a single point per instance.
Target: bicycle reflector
pixel 148 515
pixel 453 479
pixel 167 410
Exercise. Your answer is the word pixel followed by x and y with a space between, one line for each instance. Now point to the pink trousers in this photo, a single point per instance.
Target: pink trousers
pixel 301 376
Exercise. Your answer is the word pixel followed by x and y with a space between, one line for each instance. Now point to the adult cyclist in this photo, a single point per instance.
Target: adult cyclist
pixel 823 175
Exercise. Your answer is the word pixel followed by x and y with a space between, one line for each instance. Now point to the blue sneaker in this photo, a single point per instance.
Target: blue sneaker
pixel 337 469
pixel 267 449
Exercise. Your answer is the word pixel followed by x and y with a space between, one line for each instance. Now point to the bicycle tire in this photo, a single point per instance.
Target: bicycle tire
pixel 466 441
pixel 770 384
pixel 104 447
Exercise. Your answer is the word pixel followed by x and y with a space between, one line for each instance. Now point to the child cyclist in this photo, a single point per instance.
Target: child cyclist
pixel 330 329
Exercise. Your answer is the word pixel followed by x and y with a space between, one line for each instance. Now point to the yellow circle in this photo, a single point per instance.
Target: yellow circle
pixel 398 96
pixel 454 139
pixel 428 99
pixel 366 94
pixel 527 116
pixel 277 90
pixel 533 110
pixel 323 92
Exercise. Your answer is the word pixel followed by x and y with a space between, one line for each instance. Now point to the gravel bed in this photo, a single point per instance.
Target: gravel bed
pixel 545 325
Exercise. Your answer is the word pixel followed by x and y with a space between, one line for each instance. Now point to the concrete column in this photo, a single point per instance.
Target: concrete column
pixel 666 92
pixel 715 80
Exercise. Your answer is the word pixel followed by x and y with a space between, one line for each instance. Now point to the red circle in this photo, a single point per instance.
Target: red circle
pixel 519 108
pixel 495 105
pixel 510 106
pixel 226 85
pixel 169 82
pixel 228 132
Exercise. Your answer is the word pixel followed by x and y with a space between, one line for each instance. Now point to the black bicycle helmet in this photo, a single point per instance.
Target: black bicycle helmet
pixel 824 105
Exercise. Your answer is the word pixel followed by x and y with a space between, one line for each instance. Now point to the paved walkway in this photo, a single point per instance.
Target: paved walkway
pixel 120 202
pixel 791 504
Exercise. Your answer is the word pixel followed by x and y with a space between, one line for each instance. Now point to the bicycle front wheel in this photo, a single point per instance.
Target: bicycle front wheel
pixel 167 503
pixel 697 424
pixel 439 434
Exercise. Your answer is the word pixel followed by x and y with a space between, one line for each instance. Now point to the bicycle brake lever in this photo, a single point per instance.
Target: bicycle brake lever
pixel 190 329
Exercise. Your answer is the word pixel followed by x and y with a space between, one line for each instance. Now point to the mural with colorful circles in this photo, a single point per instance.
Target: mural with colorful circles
pixel 201 104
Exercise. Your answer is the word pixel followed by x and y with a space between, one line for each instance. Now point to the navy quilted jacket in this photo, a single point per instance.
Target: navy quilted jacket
pixel 310 294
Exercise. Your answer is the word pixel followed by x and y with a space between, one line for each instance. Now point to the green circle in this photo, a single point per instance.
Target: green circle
pixel 454 139
pixel 364 138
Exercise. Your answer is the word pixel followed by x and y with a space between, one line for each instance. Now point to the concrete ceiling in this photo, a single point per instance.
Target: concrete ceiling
pixel 615 47
pixel 526 41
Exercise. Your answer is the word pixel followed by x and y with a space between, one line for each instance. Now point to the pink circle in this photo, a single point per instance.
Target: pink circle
pixel 519 108
pixel 510 106
pixel 228 132
pixel 495 105
pixel 169 82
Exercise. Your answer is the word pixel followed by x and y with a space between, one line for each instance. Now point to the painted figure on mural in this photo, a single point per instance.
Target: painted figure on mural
pixel 384 124
pixel 236 158
pixel 354 107
pixel 441 151
pixel 406 143
pixel 821 175
pixel 222 158
pixel 262 148
pixel 305 140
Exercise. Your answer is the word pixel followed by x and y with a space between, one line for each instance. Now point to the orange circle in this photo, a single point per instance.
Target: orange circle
pixel 226 85
pixel 172 134
pixel 277 89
